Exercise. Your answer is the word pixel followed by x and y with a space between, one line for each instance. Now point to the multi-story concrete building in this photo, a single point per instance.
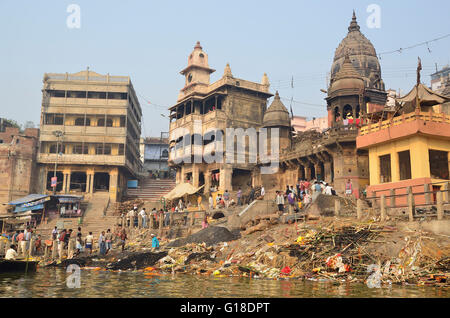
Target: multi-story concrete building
pixel 154 154
pixel 439 79
pixel 229 102
pixel 90 131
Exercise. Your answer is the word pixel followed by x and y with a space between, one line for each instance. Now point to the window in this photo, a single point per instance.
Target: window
pixel 99 149
pixel 76 94
pixel 385 168
pixel 404 162
pixel 78 149
pixel 121 148
pixel 107 149
pixel 114 95
pixel 99 95
pixel 165 153
pixel 54 147
pixel 54 119
pixel 438 164
pixel 79 121
pixel 55 93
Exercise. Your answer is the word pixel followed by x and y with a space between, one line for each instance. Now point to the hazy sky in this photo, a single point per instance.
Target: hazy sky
pixel 151 40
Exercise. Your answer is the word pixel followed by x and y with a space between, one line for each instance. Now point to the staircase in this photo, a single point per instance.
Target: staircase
pixel 93 220
pixel 151 189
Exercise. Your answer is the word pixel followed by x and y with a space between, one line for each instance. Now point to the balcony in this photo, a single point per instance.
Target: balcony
pixel 425 123
pixel 82 159
pixel 86 130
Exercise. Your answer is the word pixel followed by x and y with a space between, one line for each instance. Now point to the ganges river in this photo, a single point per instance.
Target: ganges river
pixel 51 282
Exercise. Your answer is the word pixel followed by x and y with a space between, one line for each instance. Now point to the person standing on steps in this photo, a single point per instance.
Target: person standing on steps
pixel 123 237
pixel 108 240
pixel 88 242
pixel 102 243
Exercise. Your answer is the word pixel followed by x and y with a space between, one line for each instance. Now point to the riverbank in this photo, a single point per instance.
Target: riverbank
pixel 329 249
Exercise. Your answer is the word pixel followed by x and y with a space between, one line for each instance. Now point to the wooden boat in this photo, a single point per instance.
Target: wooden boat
pixel 17 266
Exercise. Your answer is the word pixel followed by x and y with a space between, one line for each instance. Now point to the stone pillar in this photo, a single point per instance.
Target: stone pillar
pixel 318 171
pixel 69 176
pixel 440 208
pixel 359 209
pixel 151 221
pixel 395 167
pixel 113 182
pixel 140 221
pixel 195 175
pixel 427 195
pixel 410 204
pixel 327 172
pixel 91 184
pixel 383 207
pixel 64 187
pixel 308 173
pixel 225 179
pixel 445 195
pixel 392 200
pixel 207 186
pixel 337 207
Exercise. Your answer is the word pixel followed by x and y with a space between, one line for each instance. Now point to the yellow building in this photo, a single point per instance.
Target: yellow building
pixel 409 150
pixel 90 130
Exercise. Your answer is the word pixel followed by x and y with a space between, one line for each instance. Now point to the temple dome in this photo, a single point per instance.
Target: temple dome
pixel 276 115
pixel 362 55
pixel 347 78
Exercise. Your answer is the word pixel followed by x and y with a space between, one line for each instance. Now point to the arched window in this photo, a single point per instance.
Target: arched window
pixel 79 121
pixel 337 114
pixel 347 111
pixel 165 153
pixel 101 122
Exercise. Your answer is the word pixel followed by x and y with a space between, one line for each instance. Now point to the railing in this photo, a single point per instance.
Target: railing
pixel 186 220
pixel 404 118
pixel 428 200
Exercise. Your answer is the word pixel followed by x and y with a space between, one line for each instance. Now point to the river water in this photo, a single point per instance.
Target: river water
pixel 51 282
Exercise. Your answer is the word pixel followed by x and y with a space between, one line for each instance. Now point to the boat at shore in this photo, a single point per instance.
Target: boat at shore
pixel 17 266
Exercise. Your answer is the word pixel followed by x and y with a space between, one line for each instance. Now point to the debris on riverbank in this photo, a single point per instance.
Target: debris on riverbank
pixel 331 249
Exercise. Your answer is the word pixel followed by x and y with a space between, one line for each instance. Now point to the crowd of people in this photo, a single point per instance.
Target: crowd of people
pixel 304 193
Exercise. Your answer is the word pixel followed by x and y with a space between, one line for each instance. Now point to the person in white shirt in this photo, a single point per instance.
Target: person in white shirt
pixel 11 253
pixel 263 191
pixel 327 189
pixel 280 201
pixel 211 202
pixel 144 217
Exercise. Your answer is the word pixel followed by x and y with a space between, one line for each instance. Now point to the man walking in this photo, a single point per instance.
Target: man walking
pixel 280 201
pixel 239 195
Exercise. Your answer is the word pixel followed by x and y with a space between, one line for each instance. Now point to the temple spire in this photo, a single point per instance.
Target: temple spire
pixel 227 71
pixel 353 25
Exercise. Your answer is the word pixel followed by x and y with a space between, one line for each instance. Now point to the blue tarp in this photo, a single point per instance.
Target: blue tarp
pixel 28 198
pixel 132 184
pixel 28 208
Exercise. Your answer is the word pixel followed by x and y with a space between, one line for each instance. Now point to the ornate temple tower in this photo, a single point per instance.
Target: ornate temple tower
pixel 357 50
